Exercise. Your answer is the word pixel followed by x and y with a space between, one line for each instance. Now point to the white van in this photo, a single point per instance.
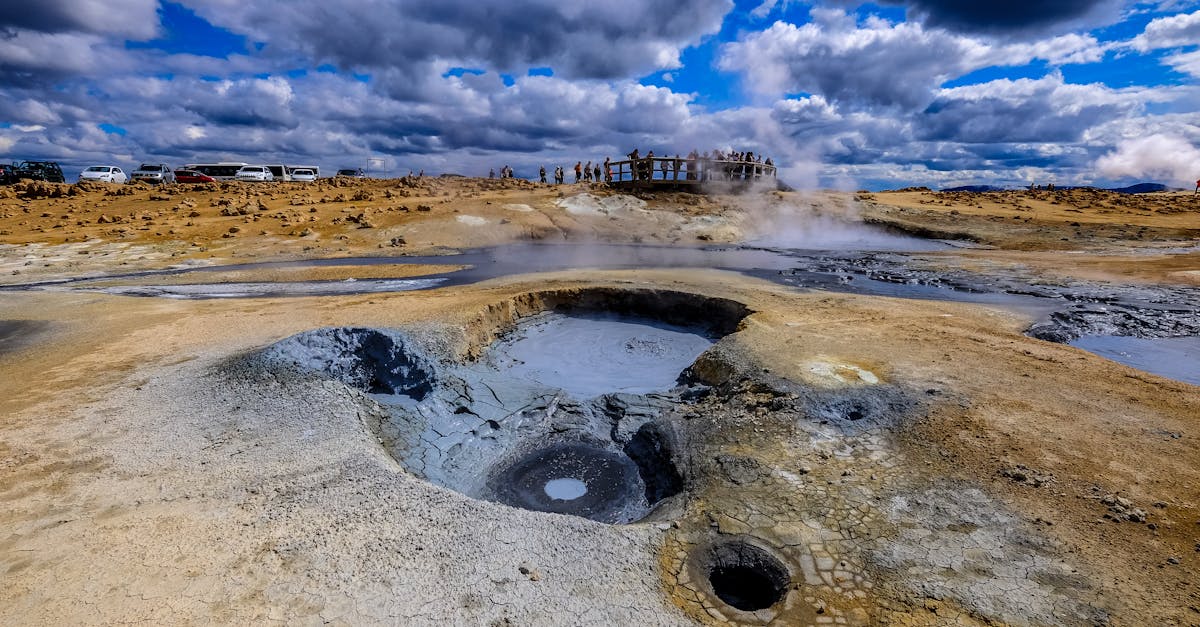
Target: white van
pixel 255 173
pixel 224 171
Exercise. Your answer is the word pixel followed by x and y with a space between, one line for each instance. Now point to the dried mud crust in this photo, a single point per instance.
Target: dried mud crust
pixel 802 494
pixel 818 480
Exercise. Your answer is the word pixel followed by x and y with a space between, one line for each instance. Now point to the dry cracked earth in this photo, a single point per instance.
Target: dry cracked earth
pixel 815 456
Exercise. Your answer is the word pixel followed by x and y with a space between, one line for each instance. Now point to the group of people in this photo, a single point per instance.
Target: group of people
pixel 717 165
pixel 710 166
pixel 583 173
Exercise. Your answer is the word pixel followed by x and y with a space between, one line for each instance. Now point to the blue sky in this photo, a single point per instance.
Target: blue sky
pixel 841 94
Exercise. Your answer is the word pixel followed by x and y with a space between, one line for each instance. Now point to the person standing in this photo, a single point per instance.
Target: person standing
pixel 1197 188
pixel 578 171
pixel 542 174
pixel 587 172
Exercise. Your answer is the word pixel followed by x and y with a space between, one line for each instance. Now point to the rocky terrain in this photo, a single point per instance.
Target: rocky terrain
pixel 833 456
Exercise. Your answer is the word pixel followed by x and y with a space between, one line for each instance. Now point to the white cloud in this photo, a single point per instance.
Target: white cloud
pixel 1187 62
pixel 878 62
pixel 1169 32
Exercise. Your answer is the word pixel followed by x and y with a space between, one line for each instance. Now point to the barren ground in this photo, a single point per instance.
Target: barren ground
pixel 999 479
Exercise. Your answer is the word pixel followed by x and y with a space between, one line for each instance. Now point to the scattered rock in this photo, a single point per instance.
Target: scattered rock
pixel 1026 475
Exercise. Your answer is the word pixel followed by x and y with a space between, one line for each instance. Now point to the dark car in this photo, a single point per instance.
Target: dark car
pixel 351 173
pixel 8 174
pixel 40 171
pixel 192 176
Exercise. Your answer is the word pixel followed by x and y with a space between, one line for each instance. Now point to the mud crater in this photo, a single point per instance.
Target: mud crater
pixel 561 401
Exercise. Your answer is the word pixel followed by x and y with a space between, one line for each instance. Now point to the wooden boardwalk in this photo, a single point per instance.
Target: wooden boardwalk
pixel 682 174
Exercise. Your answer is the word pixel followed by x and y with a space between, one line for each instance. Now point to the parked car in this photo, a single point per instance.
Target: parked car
pixel 192 176
pixel 40 171
pixel 8 174
pixel 254 173
pixel 103 174
pixel 304 175
pixel 351 173
pixel 153 173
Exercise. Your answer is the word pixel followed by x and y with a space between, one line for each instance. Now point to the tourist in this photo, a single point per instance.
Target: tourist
pixel 542 174
pixel 607 170
pixel 587 172
pixel 578 171
pixel 491 173
pixel 596 172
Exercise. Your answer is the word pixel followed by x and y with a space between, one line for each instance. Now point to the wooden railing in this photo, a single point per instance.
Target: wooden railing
pixel 687 171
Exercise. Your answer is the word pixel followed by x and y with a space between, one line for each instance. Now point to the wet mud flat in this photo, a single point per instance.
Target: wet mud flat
pixel 1149 327
pixel 1064 310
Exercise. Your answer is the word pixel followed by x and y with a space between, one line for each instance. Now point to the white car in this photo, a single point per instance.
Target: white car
pixel 254 173
pixel 104 174
pixel 304 175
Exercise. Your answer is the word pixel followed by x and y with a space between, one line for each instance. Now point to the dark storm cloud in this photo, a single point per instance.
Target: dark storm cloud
pixel 1013 16
pixel 128 18
pixel 594 40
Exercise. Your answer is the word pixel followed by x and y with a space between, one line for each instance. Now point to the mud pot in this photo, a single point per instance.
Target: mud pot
pixel 562 412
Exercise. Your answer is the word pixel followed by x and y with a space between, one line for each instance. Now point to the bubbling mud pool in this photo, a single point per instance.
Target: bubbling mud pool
pixel 593 354
pixel 565 411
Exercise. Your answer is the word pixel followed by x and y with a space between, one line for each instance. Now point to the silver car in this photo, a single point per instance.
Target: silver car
pixel 103 174
pixel 153 173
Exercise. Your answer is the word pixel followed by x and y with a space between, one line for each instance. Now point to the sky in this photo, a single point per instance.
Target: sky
pixel 841 94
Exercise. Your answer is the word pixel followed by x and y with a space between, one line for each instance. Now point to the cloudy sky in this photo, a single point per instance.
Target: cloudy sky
pixel 842 94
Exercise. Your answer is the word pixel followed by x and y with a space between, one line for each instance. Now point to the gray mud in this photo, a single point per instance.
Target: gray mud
pixel 593 354
pixel 1173 357
pixel 577 400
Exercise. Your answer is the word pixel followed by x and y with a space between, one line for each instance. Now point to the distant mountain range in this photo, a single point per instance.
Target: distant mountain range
pixel 1140 188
